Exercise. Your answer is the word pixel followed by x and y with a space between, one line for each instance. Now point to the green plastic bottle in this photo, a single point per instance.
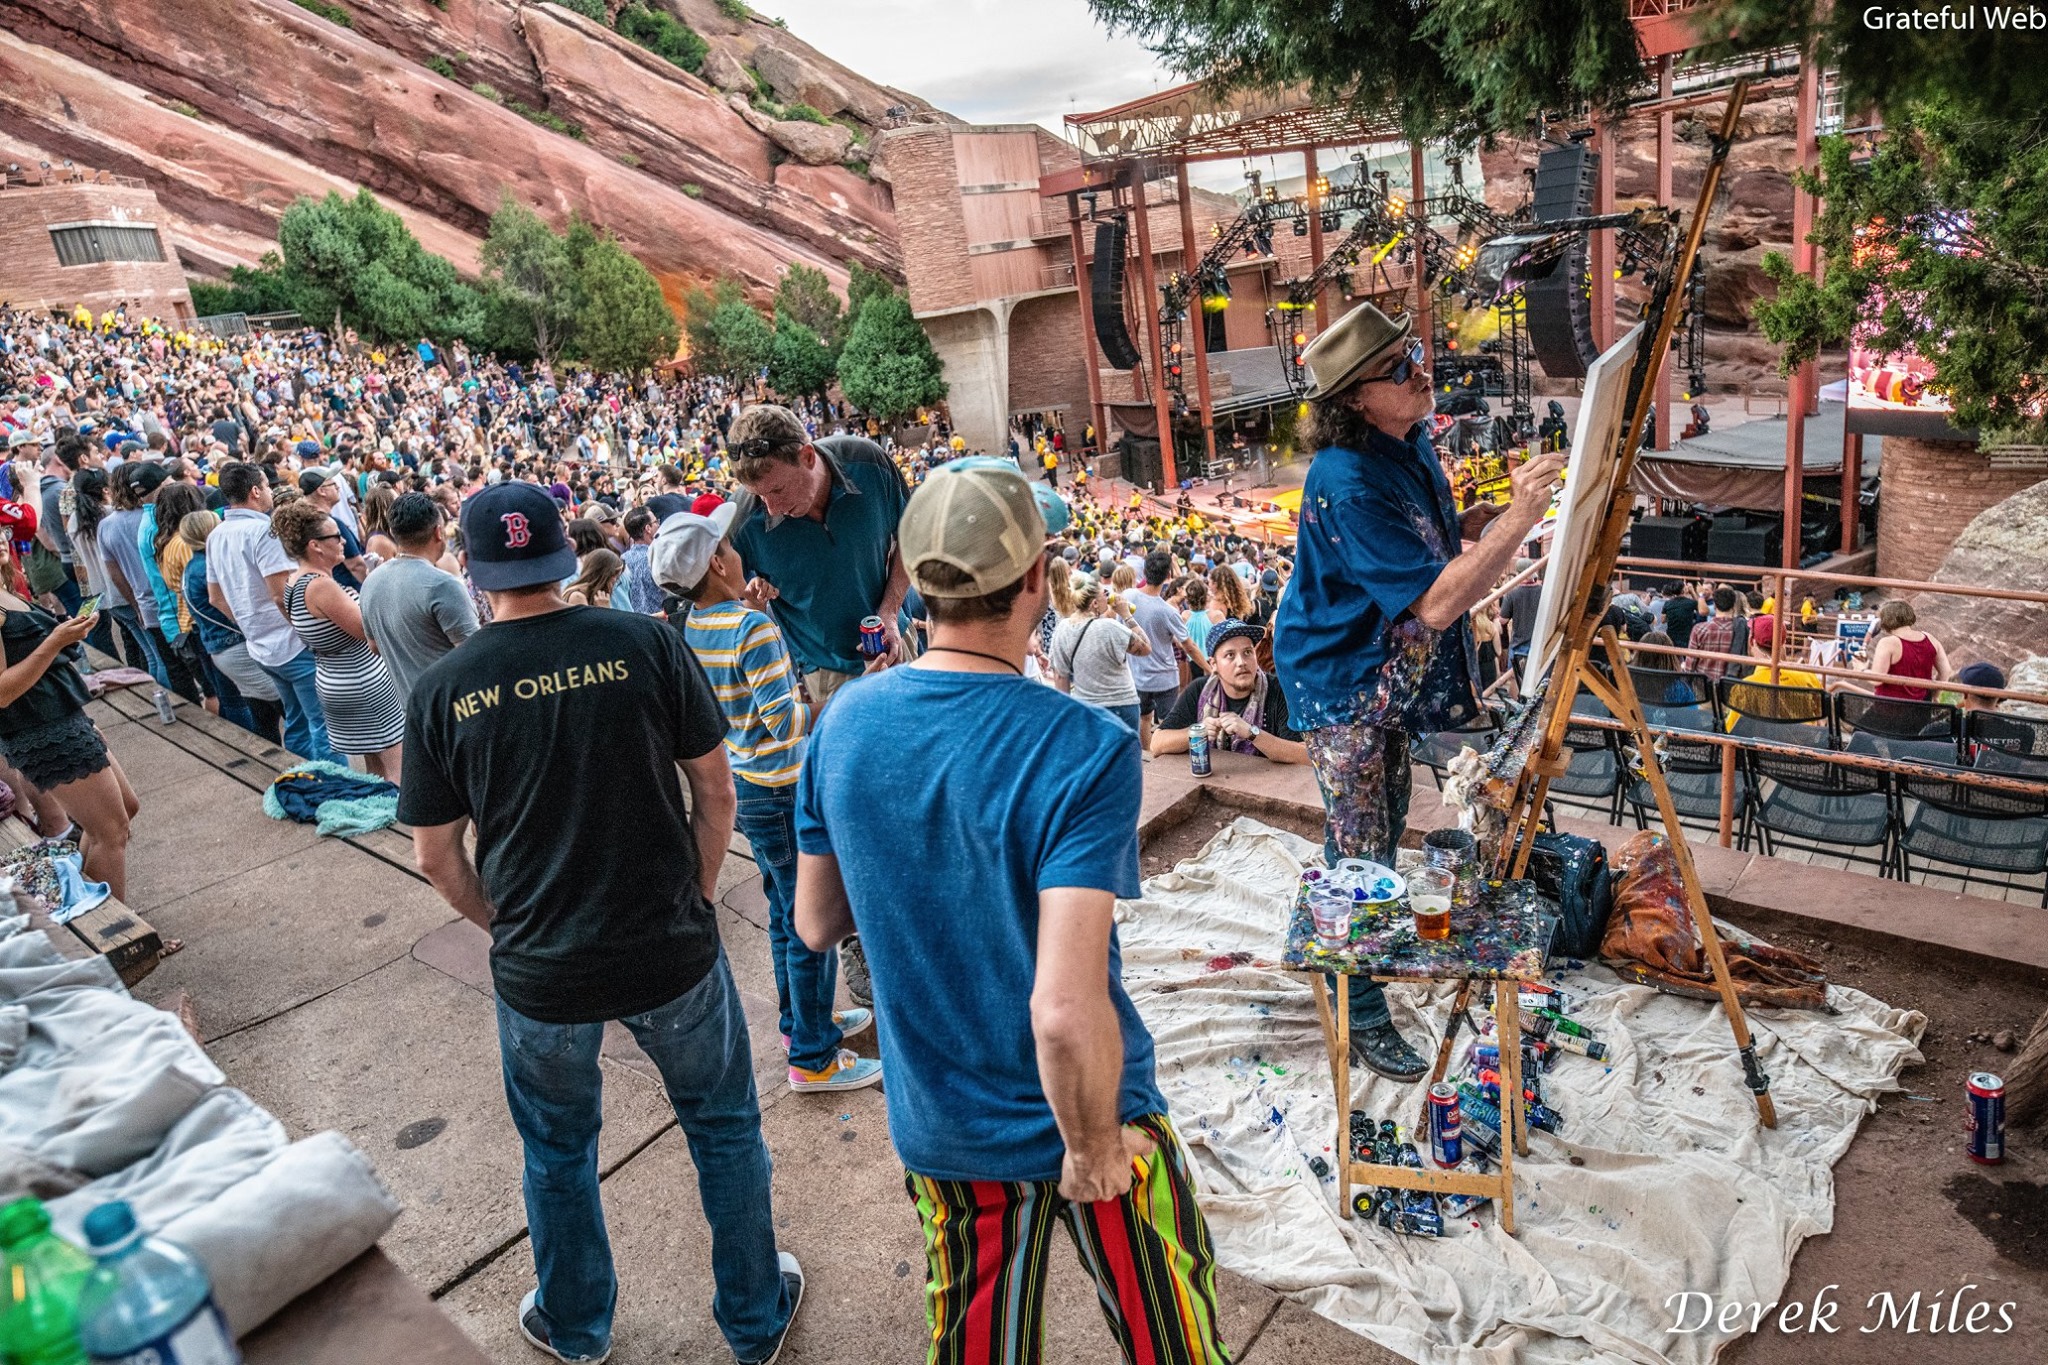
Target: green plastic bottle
pixel 41 1275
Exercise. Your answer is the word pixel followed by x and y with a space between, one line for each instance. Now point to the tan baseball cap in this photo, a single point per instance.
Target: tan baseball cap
pixel 1340 355
pixel 977 517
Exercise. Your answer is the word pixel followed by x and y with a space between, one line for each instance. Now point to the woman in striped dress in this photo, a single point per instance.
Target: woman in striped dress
pixel 357 696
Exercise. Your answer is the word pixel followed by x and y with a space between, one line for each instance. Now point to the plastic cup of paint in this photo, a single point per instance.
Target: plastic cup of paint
pixel 1331 910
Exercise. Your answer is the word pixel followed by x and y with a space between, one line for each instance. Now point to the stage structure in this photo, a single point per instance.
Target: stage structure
pixel 1158 137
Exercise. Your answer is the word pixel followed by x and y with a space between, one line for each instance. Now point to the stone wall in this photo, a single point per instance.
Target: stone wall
pixel 1046 366
pixel 1933 490
pixel 930 225
pixel 2005 546
pixel 31 275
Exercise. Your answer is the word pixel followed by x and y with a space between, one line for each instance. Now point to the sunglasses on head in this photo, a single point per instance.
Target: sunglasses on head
pixel 1403 369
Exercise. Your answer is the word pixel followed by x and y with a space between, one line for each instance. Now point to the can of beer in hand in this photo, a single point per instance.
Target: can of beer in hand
pixel 1446 1136
pixel 1985 1124
pixel 1198 750
pixel 873 644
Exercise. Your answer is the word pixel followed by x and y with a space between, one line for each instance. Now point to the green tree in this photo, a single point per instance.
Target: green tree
pixel 700 305
pixel 356 260
pixel 863 284
pixel 664 35
pixel 738 341
pixel 1453 69
pixel 888 367
pixel 800 363
pixel 1987 72
pixel 622 322
pixel 806 296
pixel 1937 244
pixel 535 282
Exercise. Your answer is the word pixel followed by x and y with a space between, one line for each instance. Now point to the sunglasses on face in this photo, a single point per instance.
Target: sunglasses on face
pixel 335 536
pixel 1403 369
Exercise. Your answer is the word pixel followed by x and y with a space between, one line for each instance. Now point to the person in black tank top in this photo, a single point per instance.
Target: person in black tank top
pixel 47 735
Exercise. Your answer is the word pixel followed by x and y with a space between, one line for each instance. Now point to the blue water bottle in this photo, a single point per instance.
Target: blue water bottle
pixel 147 1302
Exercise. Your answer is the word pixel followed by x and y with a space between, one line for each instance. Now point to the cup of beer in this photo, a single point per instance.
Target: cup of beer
pixel 1429 899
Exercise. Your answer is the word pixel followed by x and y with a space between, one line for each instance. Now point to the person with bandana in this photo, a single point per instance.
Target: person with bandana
pixel 1239 706
pixel 1371 639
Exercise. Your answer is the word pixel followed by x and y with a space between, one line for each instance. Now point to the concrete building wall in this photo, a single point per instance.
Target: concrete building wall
pixel 929 220
pixel 31 275
pixel 973 346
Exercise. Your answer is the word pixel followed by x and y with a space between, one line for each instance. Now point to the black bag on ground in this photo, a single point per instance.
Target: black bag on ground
pixel 1572 871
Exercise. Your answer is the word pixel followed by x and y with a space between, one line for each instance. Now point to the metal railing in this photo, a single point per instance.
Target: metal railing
pixel 1781 581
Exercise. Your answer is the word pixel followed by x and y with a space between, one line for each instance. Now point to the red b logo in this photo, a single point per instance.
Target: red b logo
pixel 517 534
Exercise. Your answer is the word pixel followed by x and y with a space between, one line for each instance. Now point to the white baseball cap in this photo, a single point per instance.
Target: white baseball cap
pixel 682 549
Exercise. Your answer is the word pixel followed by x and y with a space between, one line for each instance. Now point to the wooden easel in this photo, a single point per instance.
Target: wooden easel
pixel 1573 667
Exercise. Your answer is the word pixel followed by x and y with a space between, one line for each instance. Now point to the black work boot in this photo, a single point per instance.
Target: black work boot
pixel 1384 1050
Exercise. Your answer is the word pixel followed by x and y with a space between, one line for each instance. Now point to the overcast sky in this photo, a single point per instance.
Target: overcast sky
pixel 988 61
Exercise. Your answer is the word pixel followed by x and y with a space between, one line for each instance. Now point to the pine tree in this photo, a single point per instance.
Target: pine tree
pixel 888 368
pixel 622 322
pixel 800 363
pixel 806 296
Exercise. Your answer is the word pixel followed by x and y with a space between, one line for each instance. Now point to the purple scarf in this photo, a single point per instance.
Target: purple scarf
pixel 1209 706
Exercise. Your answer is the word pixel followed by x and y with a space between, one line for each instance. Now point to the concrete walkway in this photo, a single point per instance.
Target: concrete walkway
pixel 334 986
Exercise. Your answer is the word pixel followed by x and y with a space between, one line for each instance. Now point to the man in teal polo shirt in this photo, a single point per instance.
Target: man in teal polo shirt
pixel 817 537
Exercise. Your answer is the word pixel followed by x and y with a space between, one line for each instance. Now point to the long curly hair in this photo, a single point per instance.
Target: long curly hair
pixel 1331 423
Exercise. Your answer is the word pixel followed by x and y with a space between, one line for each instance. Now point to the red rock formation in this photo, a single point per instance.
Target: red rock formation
pixel 290 103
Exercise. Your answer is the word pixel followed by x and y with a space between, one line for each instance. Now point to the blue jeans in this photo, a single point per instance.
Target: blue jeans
pixel 804 981
pixel 305 728
pixel 552 1085
pixel 1127 714
pixel 138 639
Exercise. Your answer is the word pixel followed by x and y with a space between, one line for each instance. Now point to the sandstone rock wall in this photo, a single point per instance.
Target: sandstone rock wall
pixel 2005 546
pixel 230 108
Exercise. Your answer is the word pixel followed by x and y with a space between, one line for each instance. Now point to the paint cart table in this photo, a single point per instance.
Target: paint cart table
pixel 1503 939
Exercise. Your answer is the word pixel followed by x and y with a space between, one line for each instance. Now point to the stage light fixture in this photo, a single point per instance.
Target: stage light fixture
pixel 1396 205
pixel 1332 220
pixel 1301 226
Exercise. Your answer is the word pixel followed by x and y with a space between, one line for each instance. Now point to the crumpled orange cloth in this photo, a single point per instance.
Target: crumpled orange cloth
pixel 1652 934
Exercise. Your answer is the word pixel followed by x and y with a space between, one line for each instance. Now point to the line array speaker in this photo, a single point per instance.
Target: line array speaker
pixel 1106 295
pixel 1560 315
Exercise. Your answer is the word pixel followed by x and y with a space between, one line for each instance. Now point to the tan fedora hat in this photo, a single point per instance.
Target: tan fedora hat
pixel 1360 337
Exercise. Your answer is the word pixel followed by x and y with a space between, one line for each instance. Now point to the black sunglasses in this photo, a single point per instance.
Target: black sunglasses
pixel 335 536
pixel 1406 366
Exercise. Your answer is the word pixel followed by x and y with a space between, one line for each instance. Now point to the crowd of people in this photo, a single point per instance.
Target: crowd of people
pixel 593 627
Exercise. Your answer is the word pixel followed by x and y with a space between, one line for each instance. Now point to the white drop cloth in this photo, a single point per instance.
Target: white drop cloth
pixel 1680 1189
pixel 103 1097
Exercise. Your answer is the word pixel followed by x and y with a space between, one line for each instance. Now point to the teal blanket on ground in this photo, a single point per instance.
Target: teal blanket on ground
pixel 340 800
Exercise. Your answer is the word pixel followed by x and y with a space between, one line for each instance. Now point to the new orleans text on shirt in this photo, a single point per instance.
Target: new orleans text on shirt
pixel 541 685
pixel 1957 17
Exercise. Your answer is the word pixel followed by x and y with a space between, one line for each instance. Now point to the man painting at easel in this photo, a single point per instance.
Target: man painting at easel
pixel 1372 641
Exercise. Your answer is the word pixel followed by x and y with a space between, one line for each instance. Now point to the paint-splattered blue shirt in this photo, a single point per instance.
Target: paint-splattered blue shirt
pixel 1377 527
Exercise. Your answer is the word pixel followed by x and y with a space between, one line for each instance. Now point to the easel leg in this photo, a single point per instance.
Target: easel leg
pixel 1340 1059
pixel 1443 1049
pixel 1622 701
pixel 1514 1140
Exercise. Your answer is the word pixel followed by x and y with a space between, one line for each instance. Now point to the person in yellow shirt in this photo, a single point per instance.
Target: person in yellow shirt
pixel 1762 629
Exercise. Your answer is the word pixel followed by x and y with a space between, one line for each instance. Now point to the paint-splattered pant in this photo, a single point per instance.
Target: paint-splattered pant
pixel 1363 771
pixel 988 1247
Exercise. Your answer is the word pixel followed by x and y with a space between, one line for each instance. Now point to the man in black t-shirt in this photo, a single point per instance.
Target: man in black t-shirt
pixel 1239 707
pixel 558 732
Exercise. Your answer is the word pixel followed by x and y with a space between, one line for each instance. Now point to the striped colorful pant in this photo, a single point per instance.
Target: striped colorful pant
pixel 988 1244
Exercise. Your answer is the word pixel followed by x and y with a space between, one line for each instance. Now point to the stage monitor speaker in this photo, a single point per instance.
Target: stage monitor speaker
pixel 1106 295
pixel 1560 314
pixel 1682 539
pixel 1734 541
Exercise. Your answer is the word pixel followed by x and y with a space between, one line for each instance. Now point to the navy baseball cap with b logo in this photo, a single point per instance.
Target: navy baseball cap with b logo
pixel 512 533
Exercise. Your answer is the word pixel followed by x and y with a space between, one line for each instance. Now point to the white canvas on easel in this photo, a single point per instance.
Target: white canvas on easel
pixel 1582 504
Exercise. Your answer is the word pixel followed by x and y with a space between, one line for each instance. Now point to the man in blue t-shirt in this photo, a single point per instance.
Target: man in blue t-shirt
pixel 1021 1081
pixel 1371 640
